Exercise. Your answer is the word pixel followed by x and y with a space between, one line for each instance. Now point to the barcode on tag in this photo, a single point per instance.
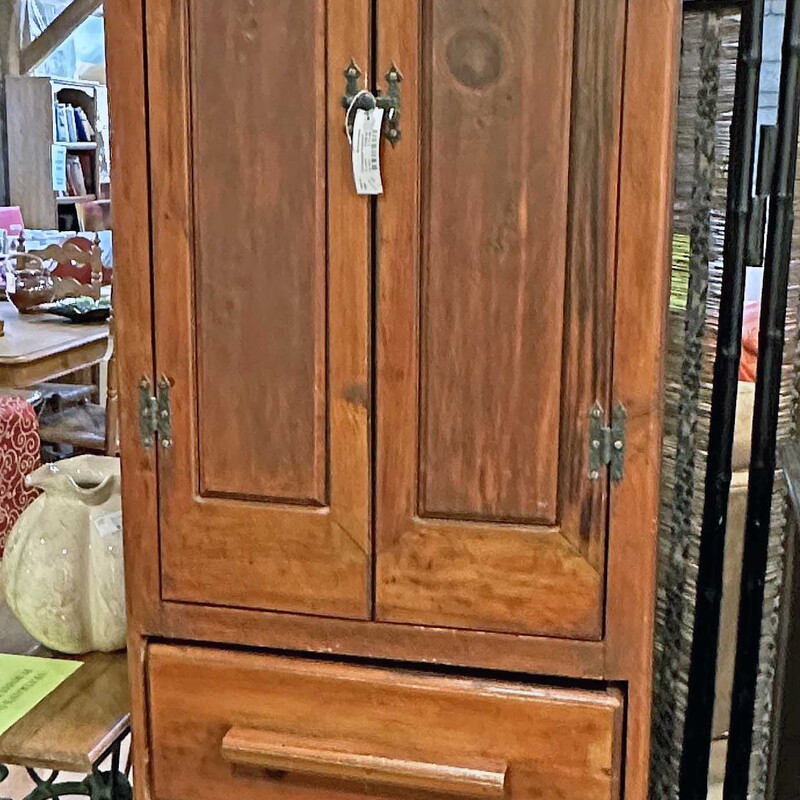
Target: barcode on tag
pixel 367 151
pixel 108 524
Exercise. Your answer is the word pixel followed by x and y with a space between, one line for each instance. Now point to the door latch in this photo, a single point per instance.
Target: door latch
pixel 356 98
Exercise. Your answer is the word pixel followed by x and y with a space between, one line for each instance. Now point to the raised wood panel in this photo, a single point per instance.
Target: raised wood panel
pixel 287 728
pixel 496 267
pixel 261 305
pixel 260 247
pixel 495 119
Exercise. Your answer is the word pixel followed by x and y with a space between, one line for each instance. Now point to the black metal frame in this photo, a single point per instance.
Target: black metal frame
pixel 742 247
pixel 765 415
pixel 702 674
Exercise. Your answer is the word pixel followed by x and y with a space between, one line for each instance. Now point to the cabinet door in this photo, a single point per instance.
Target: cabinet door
pixel 261 295
pixel 495 271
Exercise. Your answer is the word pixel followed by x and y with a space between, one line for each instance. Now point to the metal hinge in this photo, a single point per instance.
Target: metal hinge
pixel 607 445
pixel 155 413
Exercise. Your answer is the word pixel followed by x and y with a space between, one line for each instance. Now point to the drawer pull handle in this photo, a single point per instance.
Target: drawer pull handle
pixel 281 752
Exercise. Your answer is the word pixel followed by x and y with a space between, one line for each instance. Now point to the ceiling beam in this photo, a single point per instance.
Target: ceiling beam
pixel 56 33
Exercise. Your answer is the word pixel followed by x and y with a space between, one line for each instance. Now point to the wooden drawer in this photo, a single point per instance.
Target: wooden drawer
pixel 229 724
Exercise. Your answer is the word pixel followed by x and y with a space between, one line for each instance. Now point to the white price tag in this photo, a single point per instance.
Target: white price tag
pixel 367 151
pixel 108 524
pixel 11 282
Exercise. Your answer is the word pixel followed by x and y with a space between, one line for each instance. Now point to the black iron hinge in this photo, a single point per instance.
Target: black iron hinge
pixel 607 444
pixel 155 413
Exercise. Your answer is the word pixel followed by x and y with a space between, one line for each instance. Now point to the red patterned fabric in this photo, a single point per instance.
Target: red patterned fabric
pixel 19 455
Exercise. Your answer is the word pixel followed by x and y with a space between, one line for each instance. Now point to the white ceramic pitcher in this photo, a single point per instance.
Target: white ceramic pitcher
pixel 63 566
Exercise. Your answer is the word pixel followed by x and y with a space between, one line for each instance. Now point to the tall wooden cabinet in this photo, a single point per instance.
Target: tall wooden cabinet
pixel 390 465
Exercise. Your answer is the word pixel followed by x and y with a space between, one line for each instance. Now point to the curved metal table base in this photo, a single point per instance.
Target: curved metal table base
pixel 112 784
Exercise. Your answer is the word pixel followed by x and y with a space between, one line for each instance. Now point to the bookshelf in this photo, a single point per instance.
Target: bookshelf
pixel 41 112
pixel 72 200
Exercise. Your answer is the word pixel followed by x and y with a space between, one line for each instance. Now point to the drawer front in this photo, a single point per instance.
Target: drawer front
pixel 229 724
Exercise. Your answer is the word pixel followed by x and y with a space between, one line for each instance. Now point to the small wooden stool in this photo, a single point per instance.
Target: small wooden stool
pixel 75 729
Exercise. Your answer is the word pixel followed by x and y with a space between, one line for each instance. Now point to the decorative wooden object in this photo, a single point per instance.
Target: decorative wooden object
pixel 69 258
pixel 89 427
pixel 431 431
pixel 85 426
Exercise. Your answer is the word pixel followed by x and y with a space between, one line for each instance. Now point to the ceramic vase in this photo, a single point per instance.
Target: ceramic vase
pixel 63 565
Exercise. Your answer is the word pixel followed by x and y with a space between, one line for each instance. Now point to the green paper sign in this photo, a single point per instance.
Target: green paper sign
pixel 26 681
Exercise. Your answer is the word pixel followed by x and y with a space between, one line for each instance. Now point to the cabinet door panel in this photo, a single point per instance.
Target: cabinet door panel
pixel 495 272
pixel 261 304
pixel 260 247
pixel 492 260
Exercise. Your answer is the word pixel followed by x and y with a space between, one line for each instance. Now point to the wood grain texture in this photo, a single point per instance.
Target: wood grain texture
pixel 29 121
pixel 472 367
pixel 624 654
pixel 556 743
pixel 259 183
pixel 591 264
pixel 38 348
pixel 133 328
pixel 534 655
pixel 252 747
pixel 492 253
pixel 648 131
pixel 230 550
pixel 74 725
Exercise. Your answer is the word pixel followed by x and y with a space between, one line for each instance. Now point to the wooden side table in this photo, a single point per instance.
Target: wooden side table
pixel 40 347
pixel 76 728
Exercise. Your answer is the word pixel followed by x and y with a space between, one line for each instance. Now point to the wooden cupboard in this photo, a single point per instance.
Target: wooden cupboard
pixel 414 438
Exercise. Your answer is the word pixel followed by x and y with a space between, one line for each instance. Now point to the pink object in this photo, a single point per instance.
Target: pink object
pixel 19 456
pixel 11 221
pixel 750 325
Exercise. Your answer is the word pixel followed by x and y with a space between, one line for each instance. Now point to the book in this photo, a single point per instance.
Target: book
pixel 85 129
pixel 62 132
pixel 72 131
pixel 76 182
pixel 88 172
